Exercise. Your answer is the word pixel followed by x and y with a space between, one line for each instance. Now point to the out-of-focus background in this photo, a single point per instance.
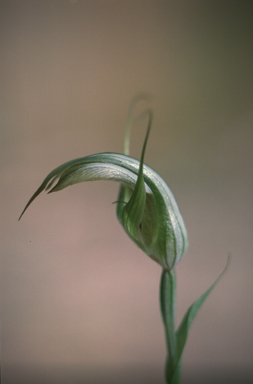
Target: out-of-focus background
pixel 80 302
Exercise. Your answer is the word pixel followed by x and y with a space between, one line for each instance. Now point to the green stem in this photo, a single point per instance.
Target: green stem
pixel 167 302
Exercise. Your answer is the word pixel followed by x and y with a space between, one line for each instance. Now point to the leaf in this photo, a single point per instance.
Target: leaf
pixel 184 327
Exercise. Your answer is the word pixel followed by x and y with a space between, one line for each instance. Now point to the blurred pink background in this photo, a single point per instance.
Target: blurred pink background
pixel 76 292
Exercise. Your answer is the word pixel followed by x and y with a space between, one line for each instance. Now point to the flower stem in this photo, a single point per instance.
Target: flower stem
pixel 167 302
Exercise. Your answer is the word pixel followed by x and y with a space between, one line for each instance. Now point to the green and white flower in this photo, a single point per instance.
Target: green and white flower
pixel 148 212
pixel 146 207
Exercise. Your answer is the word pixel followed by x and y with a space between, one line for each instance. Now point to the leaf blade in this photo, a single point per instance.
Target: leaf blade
pixel 183 329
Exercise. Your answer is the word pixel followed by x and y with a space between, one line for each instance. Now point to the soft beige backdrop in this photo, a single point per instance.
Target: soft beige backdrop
pixel 75 291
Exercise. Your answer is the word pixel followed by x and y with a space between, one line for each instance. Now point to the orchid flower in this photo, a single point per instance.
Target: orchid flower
pixel 148 212
pixel 146 208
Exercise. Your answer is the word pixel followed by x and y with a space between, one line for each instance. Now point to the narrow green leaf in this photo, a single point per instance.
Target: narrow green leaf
pixel 184 327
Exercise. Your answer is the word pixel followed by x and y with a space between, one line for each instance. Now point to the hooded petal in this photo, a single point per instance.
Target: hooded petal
pixel 146 207
pixel 160 230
